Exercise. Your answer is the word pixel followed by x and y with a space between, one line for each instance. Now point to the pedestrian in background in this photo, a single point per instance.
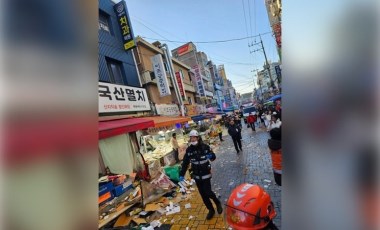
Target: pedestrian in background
pixel 175 146
pixel 274 144
pixel 275 122
pixel 251 121
pixel 235 132
pixel 219 129
pixel 199 155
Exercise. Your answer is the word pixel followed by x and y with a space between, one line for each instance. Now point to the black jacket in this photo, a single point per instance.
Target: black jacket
pixel 200 164
pixel 274 144
pixel 234 130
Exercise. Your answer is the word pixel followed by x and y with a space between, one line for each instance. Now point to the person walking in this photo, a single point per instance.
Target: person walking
pixel 274 145
pixel 219 129
pixel 199 155
pixel 175 146
pixel 275 122
pixel 251 121
pixel 235 132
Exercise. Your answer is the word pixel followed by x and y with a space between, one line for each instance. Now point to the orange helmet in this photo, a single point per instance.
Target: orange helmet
pixel 249 207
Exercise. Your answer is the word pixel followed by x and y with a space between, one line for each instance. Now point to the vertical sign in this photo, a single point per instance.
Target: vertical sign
pixel 178 76
pixel 199 81
pixel 160 73
pixel 125 25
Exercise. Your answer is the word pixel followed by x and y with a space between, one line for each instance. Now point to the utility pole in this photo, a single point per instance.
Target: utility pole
pixel 266 61
pixel 172 76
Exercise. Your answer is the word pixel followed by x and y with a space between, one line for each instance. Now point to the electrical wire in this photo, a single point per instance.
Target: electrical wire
pixel 217 41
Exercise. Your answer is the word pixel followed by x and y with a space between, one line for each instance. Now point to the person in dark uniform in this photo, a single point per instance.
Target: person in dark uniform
pixel 199 155
pixel 235 132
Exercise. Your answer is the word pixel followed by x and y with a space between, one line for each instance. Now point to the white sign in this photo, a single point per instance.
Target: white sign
pixel 199 81
pixel 201 109
pixel 160 73
pixel 121 98
pixel 168 109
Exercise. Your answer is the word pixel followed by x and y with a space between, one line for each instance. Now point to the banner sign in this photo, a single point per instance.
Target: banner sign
pixel 125 25
pixel 121 98
pixel 201 109
pixel 160 73
pixel 178 76
pixel 199 81
pixel 191 110
pixel 168 109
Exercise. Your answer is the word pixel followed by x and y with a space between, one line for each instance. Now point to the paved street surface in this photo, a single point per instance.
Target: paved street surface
pixel 253 165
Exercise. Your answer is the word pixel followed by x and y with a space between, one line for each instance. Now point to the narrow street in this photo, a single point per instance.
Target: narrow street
pixel 253 165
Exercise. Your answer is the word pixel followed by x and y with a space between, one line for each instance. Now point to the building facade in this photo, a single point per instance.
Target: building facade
pixel 115 64
pixel 274 10
pixel 197 61
pixel 144 53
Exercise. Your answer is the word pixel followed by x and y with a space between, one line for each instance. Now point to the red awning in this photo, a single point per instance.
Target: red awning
pixel 117 127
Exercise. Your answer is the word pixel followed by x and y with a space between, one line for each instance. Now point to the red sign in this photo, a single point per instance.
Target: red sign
pixel 277 34
pixel 180 84
pixel 183 49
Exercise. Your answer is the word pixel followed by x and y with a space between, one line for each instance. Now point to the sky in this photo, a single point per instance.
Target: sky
pixel 210 20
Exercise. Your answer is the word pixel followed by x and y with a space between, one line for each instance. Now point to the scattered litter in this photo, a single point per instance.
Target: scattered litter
pixel 191 217
pixel 187 206
pixel 171 209
pixel 164 220
pixel 147 228
pixel 192 189
pixel 231 183
pixel 266 186
pixel 268 181
pixel 155 223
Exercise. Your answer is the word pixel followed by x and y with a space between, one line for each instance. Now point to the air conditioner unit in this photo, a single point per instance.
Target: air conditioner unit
pixel 146 77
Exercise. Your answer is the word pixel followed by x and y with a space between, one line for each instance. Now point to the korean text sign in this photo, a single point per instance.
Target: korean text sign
pixel 160 73
pixel 178 76
pixel 168 109
pixel 121 98
pixel 199 81
pixel 125 25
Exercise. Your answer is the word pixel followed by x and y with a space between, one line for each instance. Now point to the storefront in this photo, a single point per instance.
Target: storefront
pixel 155 142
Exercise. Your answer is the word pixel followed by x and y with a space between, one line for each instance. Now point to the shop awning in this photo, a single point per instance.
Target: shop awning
pixel 117 127
pixel 161 121
pixel 198 118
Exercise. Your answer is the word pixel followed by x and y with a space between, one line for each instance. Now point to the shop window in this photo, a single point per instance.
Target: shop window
pixel 115 71
pixel 105 22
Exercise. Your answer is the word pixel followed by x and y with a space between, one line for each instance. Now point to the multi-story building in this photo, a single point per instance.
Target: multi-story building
pixel 274 10
pixel 120 91
pixel 197 61
pixel 144 53
pixel 246 98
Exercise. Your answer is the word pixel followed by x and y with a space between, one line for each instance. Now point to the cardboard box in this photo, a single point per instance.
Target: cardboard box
pixel 121 189
pixel 105 187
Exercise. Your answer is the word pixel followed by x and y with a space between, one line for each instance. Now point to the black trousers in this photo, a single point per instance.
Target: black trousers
pixel 277 178
pixel 176 155
pixel 204 188
pixel 253 126
pixel 237 142
pixel 220 136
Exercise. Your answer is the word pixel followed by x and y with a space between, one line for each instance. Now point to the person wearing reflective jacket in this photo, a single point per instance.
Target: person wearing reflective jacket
pixel 199 155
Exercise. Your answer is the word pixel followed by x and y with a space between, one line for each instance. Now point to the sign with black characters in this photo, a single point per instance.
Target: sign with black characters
pixel 122 98
pixel 125 25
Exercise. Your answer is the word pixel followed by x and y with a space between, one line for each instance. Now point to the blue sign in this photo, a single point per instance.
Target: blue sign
pixel 278 70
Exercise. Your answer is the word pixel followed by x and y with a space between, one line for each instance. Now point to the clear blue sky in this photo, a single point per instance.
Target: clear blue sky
pixel 209 20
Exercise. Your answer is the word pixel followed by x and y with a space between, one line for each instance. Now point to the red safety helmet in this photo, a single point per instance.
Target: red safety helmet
pixel 249 207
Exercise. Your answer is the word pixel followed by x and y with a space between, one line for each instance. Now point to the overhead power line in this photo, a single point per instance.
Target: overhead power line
pixel 217 41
